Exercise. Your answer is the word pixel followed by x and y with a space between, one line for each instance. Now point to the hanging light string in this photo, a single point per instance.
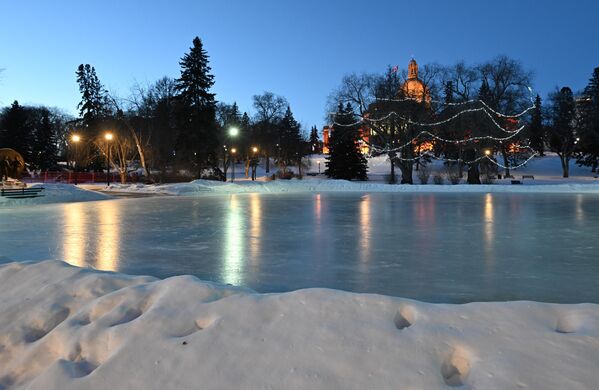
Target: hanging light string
pixel 458 160
pixel 468 102
pixel 364 119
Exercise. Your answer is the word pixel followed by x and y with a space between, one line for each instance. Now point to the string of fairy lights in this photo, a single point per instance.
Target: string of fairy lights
pixel 429 136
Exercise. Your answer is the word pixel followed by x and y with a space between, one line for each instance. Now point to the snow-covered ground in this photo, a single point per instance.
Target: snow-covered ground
pixel 546 172
pixel 68 328
pixel 56 193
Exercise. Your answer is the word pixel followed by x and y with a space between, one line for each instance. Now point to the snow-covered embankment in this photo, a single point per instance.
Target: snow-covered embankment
pixel 63 327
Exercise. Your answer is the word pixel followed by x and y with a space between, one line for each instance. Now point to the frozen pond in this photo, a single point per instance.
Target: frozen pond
pixel 431 247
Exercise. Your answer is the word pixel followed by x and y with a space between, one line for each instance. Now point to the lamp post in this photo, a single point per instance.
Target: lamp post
pixel 76 138
pixel 108 137
pixel 254 162
pixel 233 151
pixel 318 167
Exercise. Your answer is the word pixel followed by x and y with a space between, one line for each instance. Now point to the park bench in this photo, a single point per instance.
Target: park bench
pixel 22 193
pixel 528 177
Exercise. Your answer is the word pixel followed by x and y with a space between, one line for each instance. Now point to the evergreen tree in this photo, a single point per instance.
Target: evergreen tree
pixel 45 147
pixel 588 129
pixel 291 142
pixel 345 161
pixel 537 130
pixel 198 139
pixel 561 133
pixel 94 100
pixel 15 130
pixel 315 144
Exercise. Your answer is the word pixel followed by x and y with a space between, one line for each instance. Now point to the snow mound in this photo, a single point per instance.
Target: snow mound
pixel 63 327
pixel 56 193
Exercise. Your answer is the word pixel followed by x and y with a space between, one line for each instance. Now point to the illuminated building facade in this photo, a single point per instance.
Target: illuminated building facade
pixel 413 88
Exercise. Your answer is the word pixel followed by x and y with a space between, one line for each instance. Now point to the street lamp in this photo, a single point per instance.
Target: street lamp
pixel 108 137
pixel 233 151
pixel 76 138
pixel 318 166
pixel 487 152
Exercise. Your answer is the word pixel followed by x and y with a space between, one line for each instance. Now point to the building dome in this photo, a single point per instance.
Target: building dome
pixel 414 87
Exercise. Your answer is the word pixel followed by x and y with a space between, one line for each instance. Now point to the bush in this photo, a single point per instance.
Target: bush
pixel 391 179
pixel 284 174
pixel 423 174
pixel 438 178
pixel 453 174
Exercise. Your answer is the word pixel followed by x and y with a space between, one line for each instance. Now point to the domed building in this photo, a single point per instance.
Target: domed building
pixel 413 87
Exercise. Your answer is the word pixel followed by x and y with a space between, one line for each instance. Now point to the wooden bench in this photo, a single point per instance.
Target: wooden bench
pixel 528 177
pixel 21 193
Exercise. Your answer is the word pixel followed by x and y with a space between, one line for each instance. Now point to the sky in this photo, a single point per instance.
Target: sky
pixel 298 49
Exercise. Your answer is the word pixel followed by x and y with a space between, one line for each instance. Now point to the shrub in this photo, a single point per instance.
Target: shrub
pixel 438 178
pixel 424 174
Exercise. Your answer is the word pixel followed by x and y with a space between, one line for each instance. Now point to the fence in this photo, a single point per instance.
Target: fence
pixel 76 177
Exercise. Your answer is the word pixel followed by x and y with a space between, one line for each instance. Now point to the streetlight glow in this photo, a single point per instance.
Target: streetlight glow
pixel 233 131
pixel 254 149
pixel 108 136
pixel 487 152
pixel 75 138
pixel 233 150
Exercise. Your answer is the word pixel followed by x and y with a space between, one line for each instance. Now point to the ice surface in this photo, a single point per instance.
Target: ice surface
pixel 432 247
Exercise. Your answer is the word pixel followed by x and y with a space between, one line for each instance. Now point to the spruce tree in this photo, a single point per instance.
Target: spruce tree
pixel 15 130
pixel 588 129
pixel 45 149
pixel 561 134
pixel 537 130
pixel 291 142
pixel 345 161
pixel 197 140
pixel 93 106
pixel 315 144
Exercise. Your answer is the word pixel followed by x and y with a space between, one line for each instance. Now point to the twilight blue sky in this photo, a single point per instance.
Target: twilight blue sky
pixel 299 49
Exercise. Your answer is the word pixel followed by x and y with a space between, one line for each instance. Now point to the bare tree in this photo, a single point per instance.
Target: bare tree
pixel 355 89
pixel 270 108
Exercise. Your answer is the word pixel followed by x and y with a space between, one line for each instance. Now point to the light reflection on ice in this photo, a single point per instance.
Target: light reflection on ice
pixel 75 234
pixel 232 272
pixel 109 237
pixel 365 229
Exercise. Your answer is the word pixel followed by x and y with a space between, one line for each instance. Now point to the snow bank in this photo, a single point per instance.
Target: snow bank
pixel 204 187
pixel 63 327
pixel 56 193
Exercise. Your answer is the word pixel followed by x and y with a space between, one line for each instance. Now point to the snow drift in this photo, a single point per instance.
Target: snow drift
pixel 56 193
pixel 63 327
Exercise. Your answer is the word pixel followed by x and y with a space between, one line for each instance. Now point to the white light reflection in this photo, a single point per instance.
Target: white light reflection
pixel 489 229
pixel 365 229
pixel 255 228
pixel 233 250
pixel 75 234
pixel 109 235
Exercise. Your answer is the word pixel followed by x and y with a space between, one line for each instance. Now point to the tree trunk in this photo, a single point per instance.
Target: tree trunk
pixel 565 165
pixel 391 159
pixel 473 174
pixel 406 172
pixel 267 163
pixel 506 161
pixel 140 151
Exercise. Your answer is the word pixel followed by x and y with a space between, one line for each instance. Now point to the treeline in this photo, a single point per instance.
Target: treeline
pixel 171 129
pixel 477 118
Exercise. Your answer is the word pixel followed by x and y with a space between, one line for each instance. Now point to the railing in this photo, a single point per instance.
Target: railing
pixel 76 177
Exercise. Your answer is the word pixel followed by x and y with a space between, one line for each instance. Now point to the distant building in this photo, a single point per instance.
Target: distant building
pixel 413 88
